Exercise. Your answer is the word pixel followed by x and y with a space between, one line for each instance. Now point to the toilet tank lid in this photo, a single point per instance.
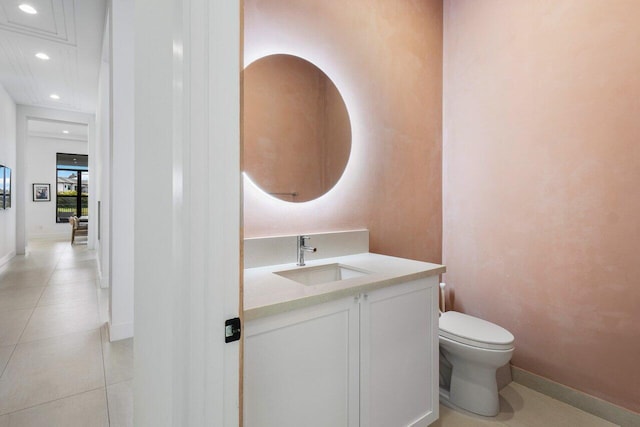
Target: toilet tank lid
pixel 474 329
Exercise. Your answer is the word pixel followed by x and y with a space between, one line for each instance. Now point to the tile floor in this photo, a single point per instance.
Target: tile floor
pixel 522 407
pixel 57 367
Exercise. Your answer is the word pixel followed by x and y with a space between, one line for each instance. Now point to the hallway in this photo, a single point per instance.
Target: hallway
pixel 57 367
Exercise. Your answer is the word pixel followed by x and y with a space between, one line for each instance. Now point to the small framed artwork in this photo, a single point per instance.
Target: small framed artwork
pixel 41 192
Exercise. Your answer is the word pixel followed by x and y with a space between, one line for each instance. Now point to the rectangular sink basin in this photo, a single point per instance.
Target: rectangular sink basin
pixel 317 275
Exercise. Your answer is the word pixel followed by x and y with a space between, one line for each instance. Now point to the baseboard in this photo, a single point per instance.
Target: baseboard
pixel 591 404
pixel 120 332
pixel 103 280
pixel 5 259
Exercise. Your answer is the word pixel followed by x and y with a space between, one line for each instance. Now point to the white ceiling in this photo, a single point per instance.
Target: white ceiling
pixel 70 32
pixel 56 130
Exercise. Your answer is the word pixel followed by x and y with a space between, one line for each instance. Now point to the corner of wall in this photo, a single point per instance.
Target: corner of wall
pixel 8 149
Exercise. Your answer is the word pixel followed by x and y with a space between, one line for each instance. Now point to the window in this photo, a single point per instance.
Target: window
pixel 5 187
pixel 72 186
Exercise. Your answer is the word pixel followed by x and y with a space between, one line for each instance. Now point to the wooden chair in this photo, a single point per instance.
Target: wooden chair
pixel 76 228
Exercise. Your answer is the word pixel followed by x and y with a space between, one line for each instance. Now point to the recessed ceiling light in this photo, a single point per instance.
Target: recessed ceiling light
pixel 65 131
pixel 28 9
pixel 54 96
pixel 42 55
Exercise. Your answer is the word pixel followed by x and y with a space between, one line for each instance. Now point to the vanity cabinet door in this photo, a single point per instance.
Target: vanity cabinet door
pixel 301 367
pixel 399 355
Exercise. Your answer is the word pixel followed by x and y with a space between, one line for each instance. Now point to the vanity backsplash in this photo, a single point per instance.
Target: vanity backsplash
pixel 263 251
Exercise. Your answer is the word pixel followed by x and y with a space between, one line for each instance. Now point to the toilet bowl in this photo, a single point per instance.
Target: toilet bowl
pixel 471 351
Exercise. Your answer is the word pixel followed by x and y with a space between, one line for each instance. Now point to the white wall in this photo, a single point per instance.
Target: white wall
pixel 8 158
pixel 115 166
pixel 103 161
pixel 187 212
pixel 41 168
pixel 122 169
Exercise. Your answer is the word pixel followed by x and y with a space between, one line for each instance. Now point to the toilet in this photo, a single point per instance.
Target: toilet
pixel 471 351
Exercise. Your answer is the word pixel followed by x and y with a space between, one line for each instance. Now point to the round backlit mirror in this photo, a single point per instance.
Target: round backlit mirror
pixel 297 134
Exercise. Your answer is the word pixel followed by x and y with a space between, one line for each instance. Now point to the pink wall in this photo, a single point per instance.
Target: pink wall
pixel 385 57
pixel 541 176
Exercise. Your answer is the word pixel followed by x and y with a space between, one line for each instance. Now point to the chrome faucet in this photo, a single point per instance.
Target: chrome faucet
pixel 302 248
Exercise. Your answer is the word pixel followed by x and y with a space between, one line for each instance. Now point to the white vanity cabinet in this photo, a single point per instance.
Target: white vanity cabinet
pixel 301 367
pixel 399 355
pixel 364 360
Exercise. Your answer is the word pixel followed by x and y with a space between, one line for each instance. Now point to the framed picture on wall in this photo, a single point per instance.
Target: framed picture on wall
pixel 41 192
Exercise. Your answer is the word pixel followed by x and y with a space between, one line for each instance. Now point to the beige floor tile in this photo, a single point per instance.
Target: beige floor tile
pixel 5 354
pixel 18 298
pixel 12 323
pixel 118 359
pixel 77 253
pixel 24 274
pixel 49 245
pixel 454 418
pixel 50 369
pixel 120 398
pixel 72 275
pixel 83 410
pixel 61 319
pixel 7 286
pixel 22 263
pixel 65 264
pixel 82 292
pixel 28 278
pixel 521 406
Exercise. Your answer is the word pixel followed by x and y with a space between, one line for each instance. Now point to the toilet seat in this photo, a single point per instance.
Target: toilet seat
pixel 475 332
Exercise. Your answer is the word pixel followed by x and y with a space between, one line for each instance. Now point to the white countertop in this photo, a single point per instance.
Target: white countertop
pixel 266 293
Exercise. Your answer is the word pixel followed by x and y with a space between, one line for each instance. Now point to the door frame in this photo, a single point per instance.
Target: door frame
pixel 187 212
